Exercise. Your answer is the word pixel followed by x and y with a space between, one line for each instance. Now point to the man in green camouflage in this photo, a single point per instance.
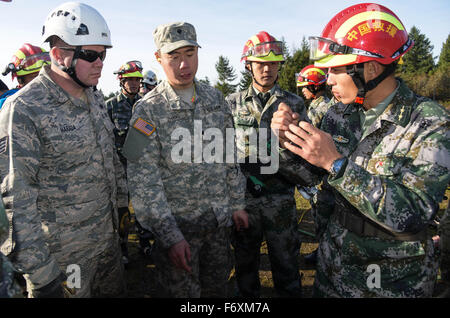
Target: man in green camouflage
pixel 188 201
pixel 387 154
pixel 270 197
pixel 120 108
pixel 312 81
pixel 63 181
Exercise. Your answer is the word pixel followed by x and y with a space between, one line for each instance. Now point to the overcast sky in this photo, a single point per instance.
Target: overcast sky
pixel 223 26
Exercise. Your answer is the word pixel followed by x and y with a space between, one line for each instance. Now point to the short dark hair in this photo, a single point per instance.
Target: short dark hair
pixel 3 86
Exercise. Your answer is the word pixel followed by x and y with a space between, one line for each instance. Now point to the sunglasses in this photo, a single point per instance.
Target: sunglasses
pixel 87 55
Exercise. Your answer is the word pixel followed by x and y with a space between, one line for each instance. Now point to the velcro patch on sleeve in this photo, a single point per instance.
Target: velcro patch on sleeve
pixel 144 127
pixel 3 144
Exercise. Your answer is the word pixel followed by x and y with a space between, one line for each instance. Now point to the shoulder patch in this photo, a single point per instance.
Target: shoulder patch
pixel 3 144
pixel 144 127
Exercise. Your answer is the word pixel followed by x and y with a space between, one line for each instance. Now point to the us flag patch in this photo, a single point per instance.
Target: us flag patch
pixel 144 127
pixel 3 144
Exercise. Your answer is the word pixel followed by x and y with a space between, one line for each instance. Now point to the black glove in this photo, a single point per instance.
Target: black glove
pixel 54 289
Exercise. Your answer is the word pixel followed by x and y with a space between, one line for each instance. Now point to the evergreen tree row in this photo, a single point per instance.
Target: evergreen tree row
pixel 419 69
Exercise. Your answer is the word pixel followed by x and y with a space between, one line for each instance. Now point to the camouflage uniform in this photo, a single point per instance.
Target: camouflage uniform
pixel 322 200
pixel 63 187
pixel 393 180
pixel 120 109
pixel 192 201
pixel 272 213
pixel 444 241
pixel 318 108
pixel 9 288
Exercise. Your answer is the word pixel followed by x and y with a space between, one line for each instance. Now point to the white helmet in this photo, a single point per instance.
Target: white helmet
pixel 77 24
pixel 150 78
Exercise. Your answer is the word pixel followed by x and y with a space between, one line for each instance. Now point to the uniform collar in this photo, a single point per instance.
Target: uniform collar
pixel 399 109
pixel 251 93
pixel 59 94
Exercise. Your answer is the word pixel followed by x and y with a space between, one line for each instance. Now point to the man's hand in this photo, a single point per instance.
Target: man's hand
pixel 281 120
pixel 240 219
pixel 316 146
pixel 180 255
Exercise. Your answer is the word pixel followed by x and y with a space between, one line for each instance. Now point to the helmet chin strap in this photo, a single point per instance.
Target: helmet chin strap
pixel 71 69
pixel 356 71
pixel 129 93
pixel 254 78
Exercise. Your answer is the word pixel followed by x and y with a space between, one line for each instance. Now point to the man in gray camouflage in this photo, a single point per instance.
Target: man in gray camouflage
pixel 188 203
pixel 120 108
pixel 9 288
pixel 63 181
pixel 387 154
pixel 270 197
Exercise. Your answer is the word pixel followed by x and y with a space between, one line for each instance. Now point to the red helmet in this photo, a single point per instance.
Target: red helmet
pixel 358 34
pixel 311 75
pixel 28 59
pixel 130 69
pixel 263 47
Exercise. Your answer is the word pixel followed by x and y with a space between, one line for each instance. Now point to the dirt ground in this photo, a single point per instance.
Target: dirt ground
pixel 140 270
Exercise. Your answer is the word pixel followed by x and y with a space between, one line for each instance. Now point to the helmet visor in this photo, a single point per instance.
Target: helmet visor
pixel 323 47
pixel 34 62
pixel 264 49
pixel 133 66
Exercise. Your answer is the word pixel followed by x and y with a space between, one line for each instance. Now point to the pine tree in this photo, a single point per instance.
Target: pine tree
pixel 246 80
pixel 419 60
pixel 293 65
pixel 227 75
pixel 205 80
pixel 444 57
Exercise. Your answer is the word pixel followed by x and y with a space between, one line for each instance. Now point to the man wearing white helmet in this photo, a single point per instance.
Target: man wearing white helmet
pixel 63 182
pixel 149 82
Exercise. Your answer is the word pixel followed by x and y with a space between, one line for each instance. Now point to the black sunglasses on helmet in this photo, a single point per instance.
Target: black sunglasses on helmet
pixel 87 55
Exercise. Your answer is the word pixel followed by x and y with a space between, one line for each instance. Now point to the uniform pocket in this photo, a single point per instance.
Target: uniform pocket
pixel 387 165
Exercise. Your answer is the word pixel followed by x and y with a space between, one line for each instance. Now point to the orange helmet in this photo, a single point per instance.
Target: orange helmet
pixel 358 34
pixel 28 59
pixel 263 47
pixel 311 75
pixel 130 69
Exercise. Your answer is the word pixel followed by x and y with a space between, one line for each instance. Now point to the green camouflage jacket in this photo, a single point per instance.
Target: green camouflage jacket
pixel 395 177
pixel 250 117
pixel 318 108
pixel 119 111
pixel 171 195
pixel 61 175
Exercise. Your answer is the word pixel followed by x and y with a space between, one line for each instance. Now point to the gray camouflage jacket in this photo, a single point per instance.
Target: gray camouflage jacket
pixel 168 196
pixel 61 174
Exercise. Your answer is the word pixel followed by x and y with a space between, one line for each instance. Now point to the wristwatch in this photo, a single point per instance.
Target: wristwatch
pixel 336 166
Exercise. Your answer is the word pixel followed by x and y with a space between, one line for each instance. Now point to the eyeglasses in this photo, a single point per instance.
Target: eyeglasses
pixel 87 55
